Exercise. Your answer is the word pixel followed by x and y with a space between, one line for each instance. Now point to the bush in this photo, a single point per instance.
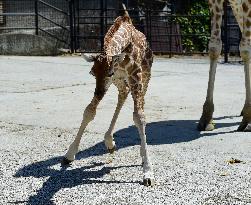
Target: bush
pixel 195 25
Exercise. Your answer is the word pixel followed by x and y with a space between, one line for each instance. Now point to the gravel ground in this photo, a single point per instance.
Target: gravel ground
pixel 42 100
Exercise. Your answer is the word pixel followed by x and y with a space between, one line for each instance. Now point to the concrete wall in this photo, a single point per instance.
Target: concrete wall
pixel 26 44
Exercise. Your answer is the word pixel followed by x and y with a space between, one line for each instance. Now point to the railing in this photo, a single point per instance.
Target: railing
pixel 75 26
pixel 56 28
pixel 163 32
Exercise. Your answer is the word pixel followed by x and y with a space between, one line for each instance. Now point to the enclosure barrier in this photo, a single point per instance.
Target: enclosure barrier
pixel 80 25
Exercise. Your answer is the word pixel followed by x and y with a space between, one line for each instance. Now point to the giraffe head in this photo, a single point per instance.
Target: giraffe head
pixel 100 70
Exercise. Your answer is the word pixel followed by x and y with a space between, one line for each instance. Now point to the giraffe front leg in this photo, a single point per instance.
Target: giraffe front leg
pixel 109 142
pixel 88 116
pixel 215 46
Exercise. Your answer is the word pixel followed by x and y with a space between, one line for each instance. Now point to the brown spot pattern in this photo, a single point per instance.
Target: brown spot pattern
pixel 110 33
pixel 248 23
pixel 248 34
pixel 245 7
pixel 218 16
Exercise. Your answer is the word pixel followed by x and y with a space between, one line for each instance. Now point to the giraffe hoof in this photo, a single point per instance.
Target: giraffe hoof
pixel 65 161
pixel 206 127
pixel 112 150
pixel 148 182
pixel 210 127
pixel 244 127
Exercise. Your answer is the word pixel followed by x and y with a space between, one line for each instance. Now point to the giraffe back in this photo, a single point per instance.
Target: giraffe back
pixel 121 35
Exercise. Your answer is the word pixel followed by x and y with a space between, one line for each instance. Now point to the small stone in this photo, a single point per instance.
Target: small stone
pixel 234 161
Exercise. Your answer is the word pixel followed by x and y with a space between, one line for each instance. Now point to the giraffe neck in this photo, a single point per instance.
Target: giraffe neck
pixel 121 38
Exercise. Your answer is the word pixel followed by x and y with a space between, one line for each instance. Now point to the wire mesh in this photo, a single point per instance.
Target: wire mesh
pixel 54 21
pixel 81 24
pixel 17 16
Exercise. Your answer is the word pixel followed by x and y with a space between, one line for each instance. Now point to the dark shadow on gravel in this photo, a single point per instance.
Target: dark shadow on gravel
pixel 226 117
pixel 166 132
pixel 64 178
pixel 163 132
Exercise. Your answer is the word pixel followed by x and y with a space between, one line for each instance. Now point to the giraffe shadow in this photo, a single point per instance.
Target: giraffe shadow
pixel 168 132
pixel 65 177
pixel 163 132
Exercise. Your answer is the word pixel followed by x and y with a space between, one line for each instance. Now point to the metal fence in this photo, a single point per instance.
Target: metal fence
pixel 80 25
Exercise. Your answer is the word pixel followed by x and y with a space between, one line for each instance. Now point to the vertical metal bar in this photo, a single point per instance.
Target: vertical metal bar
pixel 74 24
pixel 171 30
pixel 71 27
pixel 147 25
pixel 78 27
pixel 36 17
pixel 150 26
pixel 105 16
pixel 225 33
pixel 101 24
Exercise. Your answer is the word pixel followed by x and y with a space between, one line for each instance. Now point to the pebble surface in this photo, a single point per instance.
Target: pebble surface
pixel 39 120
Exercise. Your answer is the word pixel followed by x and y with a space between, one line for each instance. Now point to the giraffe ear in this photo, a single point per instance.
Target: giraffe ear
pixel 88 58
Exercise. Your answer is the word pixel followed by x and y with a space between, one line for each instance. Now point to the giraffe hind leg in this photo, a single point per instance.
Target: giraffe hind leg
pixel 139 120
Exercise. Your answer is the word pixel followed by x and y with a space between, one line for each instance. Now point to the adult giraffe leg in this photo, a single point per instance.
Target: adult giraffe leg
pixel 238 13
pixel 245 50
pixel 88 116
pixel 215 46
pixel 123 93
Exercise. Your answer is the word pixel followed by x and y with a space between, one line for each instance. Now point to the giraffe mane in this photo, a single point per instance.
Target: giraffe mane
pixel 112 30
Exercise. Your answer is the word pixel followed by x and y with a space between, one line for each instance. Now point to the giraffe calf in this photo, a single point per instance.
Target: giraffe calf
pixel 127 77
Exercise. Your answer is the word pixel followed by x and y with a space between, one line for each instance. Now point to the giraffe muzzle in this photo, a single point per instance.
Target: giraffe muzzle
pixel 110 72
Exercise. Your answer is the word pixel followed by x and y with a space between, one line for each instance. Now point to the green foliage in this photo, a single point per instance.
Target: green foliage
pixel 195 25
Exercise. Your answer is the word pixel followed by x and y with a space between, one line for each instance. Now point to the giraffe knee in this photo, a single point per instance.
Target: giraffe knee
pixel 99 93
pixel 139 118
pixel 215 47
pixel 89 113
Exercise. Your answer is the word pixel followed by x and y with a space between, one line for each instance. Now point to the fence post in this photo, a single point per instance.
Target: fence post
pixel 101 24
pixel 36 17
pixel 150 27
pixel 225 33
pixel 171 29
pixel 77 29
pixel 105 16
pixel 71 26
pixel 74 24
